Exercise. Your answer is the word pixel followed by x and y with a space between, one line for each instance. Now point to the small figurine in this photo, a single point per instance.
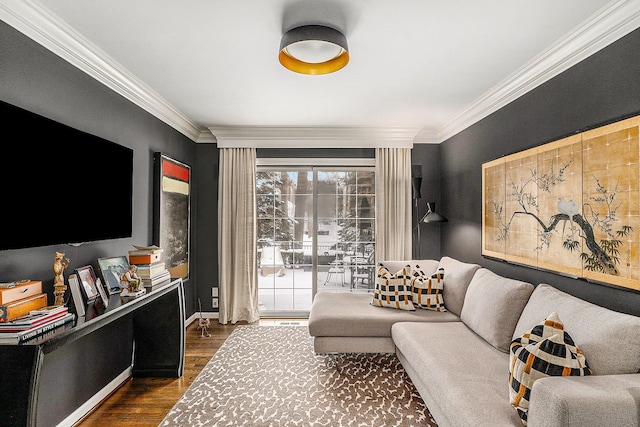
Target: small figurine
pixel 59 264
pixel 130 279
pixel 203 323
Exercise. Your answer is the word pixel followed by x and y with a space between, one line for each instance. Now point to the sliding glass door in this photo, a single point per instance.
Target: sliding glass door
pixel 285 239
pixel 315 234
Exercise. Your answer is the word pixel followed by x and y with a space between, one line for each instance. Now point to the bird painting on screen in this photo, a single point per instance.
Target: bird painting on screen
pixel 569 208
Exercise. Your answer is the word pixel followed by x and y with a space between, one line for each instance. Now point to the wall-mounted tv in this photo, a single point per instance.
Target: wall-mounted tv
pixel 61 185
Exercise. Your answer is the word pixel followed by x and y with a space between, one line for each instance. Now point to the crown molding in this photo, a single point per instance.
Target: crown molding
pixel 206 137
pixel 427 136
pixel 611 23
pixel 321 137
pixel 37 23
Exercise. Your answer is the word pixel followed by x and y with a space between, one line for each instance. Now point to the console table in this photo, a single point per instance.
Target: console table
pixel 58 378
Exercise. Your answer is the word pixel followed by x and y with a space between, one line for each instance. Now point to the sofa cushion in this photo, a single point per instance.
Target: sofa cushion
pixel 459 276
pixel 546 350
pixel 492 306
pixel 459 375
pixel 393 290
pixel 426 289
pixel 429 265
pixel 610 340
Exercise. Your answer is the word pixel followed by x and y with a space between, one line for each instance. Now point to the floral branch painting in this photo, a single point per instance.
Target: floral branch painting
pixel 604 254
pixel 572 207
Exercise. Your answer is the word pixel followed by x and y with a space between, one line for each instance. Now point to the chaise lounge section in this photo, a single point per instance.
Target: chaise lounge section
pixel 348 323
pixel 461 360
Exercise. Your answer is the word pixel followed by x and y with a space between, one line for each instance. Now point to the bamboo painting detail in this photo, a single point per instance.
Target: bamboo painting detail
pixel 570 206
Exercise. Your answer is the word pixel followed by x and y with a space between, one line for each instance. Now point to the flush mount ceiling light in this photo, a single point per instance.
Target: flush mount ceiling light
pixel 313 49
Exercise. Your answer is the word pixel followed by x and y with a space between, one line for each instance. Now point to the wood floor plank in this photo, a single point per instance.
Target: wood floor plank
pixel 144 402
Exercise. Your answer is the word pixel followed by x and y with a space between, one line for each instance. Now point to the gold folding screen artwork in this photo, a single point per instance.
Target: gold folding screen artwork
pixel 571 206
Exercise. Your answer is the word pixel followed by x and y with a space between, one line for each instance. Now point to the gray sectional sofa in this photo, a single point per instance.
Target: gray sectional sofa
pixel 459 359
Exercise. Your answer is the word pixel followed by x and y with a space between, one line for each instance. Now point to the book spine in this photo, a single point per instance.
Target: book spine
pixel 151 273
pixel 44 328
pixel 19 327
pixel 157 251
pixel 48 310
pixel 150 286
pixel 18 337
pixel 21 307
pixel 154 284
pixel 157 264
pixel 144 259
pixel 156 278
pixel 53 332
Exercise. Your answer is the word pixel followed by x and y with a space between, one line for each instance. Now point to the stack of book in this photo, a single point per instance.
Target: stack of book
pixel 37 323
pixel 151 268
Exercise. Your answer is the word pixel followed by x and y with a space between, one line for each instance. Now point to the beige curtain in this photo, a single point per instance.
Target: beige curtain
pixel 393 204
pixel 237 252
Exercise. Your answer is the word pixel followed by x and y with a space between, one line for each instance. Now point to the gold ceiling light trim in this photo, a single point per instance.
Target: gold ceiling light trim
pixel 314 50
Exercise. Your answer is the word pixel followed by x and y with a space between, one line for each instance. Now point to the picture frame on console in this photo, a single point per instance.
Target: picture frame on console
pixel 103 293
pixel 111 269
pixel 88 283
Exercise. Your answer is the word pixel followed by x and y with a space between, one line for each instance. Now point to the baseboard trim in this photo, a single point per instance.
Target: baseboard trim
pixel 196 316
pixel 96 399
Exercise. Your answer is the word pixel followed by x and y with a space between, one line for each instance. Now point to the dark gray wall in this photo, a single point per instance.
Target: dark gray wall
pixel 603 88
pixel 37 80
pixel 205 206
pixel 426 158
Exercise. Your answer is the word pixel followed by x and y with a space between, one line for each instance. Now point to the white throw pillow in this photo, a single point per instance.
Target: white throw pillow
pixel 427 291
pixel 393 290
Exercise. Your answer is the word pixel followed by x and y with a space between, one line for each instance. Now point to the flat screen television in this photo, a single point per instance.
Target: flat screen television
pixel 61 185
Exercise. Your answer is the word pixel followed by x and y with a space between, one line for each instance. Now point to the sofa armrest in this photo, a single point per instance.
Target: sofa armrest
pixel 595 400
pixel 428 265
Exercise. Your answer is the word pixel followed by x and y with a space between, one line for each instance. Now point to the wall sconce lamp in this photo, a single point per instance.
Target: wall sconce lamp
pixel 432 217
pixel 416 183
pixel 313 49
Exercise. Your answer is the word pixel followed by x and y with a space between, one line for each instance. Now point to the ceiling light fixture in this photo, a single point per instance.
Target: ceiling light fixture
pixel 313 49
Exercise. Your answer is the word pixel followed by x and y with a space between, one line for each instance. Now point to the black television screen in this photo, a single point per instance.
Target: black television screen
pixel 61 185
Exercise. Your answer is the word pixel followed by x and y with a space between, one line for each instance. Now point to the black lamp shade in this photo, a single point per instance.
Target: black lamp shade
pixel 416 183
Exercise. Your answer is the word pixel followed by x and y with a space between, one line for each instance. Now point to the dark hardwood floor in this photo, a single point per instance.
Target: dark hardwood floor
pixel 144 402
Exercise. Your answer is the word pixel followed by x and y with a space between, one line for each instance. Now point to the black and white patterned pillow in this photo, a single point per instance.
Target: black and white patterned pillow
pixel 427 291
pixel 546 350
pixel 393 290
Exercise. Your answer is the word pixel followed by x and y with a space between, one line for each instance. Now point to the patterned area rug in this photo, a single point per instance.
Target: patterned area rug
pixel 270 376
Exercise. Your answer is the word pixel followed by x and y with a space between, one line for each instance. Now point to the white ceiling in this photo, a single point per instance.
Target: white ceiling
pixel 420 70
